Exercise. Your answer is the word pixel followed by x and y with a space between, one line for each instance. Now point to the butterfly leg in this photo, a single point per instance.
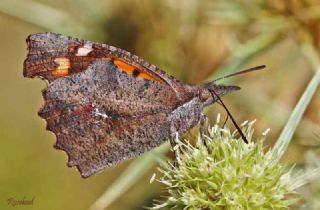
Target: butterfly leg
pixel 175 148
pixel 202 123
pixel 181 120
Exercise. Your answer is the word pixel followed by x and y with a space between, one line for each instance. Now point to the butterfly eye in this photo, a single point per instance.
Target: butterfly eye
pixel 205 95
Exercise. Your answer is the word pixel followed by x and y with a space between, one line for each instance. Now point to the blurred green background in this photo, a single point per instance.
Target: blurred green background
pixel 195 41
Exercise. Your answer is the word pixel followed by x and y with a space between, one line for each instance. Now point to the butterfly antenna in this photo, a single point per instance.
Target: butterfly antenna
pixel 231 117
pixel 256 68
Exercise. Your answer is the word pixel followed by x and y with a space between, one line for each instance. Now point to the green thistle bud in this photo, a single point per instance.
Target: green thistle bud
pixel 227 174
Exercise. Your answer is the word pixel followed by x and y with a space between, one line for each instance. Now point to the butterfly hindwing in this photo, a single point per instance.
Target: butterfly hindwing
pixel 103 115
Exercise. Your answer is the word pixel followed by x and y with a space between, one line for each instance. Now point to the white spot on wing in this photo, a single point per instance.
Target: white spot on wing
pixel 85 50
pixel 97 112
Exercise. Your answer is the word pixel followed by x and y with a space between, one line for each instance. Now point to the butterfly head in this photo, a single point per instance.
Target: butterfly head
pixel 206 92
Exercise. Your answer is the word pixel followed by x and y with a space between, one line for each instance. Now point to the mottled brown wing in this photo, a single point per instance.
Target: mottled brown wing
pixel 103 115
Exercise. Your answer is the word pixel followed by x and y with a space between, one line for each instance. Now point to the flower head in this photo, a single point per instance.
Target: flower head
pixel 227 174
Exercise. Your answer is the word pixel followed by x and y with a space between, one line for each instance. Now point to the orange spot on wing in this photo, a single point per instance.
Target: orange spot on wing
pixel 129 69
pixel 124 66
pixel 63 68
pixel 147 76
pixel 60 72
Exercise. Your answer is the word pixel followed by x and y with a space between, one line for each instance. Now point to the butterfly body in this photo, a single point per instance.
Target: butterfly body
pixel 106 105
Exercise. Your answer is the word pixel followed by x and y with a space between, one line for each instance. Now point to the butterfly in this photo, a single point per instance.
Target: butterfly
pixel 106 105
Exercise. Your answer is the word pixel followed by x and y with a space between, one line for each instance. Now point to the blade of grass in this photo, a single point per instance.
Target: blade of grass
pixel 296 115
pixel 129 177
